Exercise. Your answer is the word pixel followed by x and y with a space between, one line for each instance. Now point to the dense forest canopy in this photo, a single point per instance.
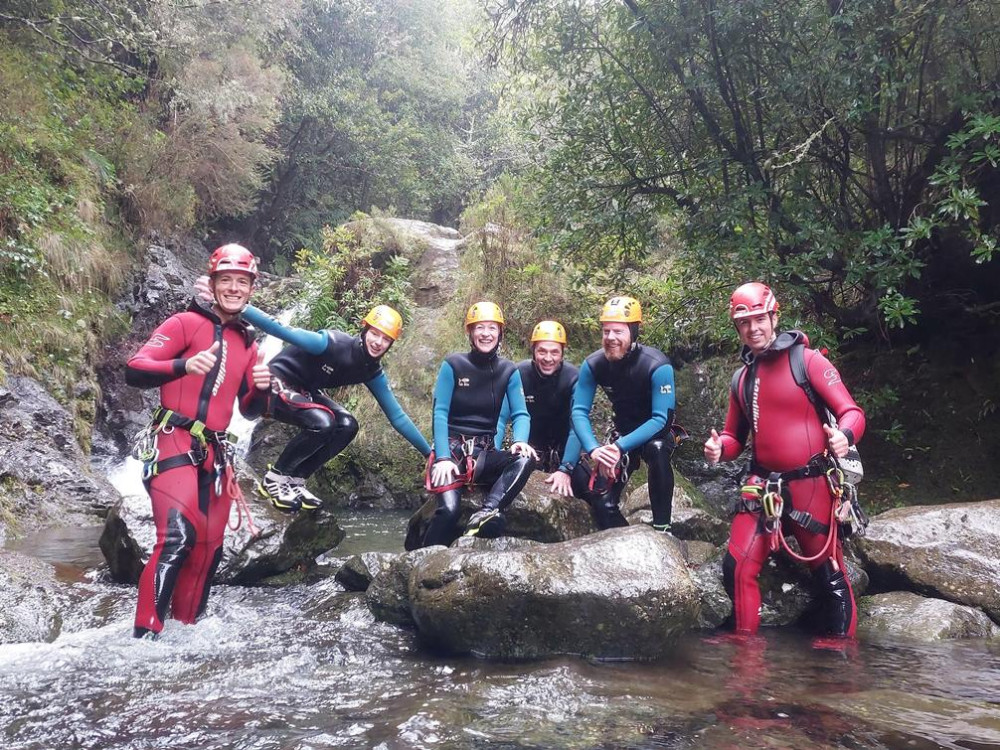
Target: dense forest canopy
pixel 844 151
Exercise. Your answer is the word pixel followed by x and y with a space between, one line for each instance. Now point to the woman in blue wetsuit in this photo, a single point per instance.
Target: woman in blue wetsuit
pixel 469 393
pixel 313 362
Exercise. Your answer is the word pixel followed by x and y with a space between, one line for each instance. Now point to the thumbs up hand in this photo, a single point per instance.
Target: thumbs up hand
pixel 836 441
pixel 261 373
pixel 203 289
pixel 203 362
pixel 713 448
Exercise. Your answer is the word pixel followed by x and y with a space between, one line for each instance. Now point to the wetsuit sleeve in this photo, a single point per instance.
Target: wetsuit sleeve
pixel 158 361
pixel 571 453
pixel 443 390
pixel 826 381
pixel 583 400
pixel 314 342
pixel 662 411
pixel 252 400
pixel 518 409
pixel 736 431
pixel 502 423
pixel 399 419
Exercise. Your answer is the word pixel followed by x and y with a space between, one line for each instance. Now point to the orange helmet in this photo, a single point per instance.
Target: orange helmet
pixel 383 318
pixel 232 257
pixel 549 330
pixel 621 310
pixel 752 299
pixel 484 312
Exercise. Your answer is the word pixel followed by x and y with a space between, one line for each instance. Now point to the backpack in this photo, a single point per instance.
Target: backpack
pixel 850 464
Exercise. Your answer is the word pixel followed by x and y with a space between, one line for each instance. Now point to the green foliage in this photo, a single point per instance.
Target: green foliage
pixel 794 143
pixel 353 272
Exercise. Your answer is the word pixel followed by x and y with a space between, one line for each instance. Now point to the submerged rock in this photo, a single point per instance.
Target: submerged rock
pixel 909 615
pixel 616 594
pixel 29 599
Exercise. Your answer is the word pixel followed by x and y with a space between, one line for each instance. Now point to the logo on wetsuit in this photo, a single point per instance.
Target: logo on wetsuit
pixel 463 382
pixel 158 340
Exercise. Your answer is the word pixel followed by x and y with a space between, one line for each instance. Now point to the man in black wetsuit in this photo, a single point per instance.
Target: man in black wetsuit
pixel 639 382
pixel 468 395
pixel 548 382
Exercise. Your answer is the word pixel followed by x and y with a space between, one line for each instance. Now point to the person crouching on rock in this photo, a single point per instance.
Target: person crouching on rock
pixel 468 396
pixel 548 382
pixel 312 362
pixel 203 361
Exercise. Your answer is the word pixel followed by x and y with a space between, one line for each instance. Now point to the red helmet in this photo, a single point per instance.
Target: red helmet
pixel 232 257
pixel 752 299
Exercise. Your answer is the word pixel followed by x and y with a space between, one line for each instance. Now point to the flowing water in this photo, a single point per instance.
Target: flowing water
pixel 307 667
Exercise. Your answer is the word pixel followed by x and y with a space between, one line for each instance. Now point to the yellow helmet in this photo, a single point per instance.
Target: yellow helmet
pixel 549 330
pixel 484 312
pixel 621 310
pixel 383 318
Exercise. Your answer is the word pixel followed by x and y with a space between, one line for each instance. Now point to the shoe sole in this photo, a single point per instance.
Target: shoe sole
pixel 275 502
pixel 474 530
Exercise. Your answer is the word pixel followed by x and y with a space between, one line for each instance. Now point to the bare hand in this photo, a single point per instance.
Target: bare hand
pixel 203 362
pixel 203 288
pixel 442 472
pixel 261 373
pixel 836 441
pixel 607 456
pixel 560 484
pixel 523 449
pixel 713 448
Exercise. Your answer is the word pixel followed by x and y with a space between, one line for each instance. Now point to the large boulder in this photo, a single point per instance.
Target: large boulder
pixel 283 542
pixel 909 615
pixel 45 478
pixel 945 551
pixel 535 514
pixel 388 595
pixel 621 593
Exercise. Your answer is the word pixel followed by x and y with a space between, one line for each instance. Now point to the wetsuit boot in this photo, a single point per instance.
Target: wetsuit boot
pixel 441 529
pixel 489 521
pixel 657 454
pixel 838 599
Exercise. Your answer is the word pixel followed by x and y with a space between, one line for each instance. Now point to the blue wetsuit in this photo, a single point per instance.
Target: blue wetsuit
pixel 314 361
pixel 641 390
pixel 548 398
pixel 468 396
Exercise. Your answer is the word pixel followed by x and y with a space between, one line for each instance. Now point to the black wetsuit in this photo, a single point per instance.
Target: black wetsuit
pixel 468 396
pixel 641 390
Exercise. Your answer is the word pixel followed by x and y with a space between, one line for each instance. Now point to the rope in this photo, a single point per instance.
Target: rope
pixel 772 501
pixel 234 491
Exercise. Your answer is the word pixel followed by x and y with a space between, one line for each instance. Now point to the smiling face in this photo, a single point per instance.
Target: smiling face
pixel 756 331
pixel 547 356
pixel 231 290
pixel 376 342
pixel 485 336
pixel 616 340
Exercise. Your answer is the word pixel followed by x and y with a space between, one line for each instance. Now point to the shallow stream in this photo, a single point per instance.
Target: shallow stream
pixel 307 668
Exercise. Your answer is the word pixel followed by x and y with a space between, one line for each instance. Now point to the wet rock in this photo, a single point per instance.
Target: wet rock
pixel 388 595
pixel 689 520
pixel 909 615
pixel 284 542
pixel 946 551
pixel 357 573
pixel 621 593
pixel 535 514
pixel 29 599
pixel 45 478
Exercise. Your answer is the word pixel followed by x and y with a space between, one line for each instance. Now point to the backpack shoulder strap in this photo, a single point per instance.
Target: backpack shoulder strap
pixel 797 361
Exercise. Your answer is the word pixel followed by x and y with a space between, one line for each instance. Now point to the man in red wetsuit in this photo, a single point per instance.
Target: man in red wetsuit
pixel 203 361
pixel 789 441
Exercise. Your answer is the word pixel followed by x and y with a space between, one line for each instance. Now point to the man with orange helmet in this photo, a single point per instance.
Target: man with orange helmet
pixel 469 393
pixel 639 382
pixel 203 361
pixel 548 382
pixel 791 449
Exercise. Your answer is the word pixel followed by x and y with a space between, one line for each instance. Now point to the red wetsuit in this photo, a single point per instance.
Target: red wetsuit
pixel 190 502
pixel 787 433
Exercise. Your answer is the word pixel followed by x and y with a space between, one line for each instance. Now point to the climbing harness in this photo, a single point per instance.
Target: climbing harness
pixel 464 452
pixel 165 421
